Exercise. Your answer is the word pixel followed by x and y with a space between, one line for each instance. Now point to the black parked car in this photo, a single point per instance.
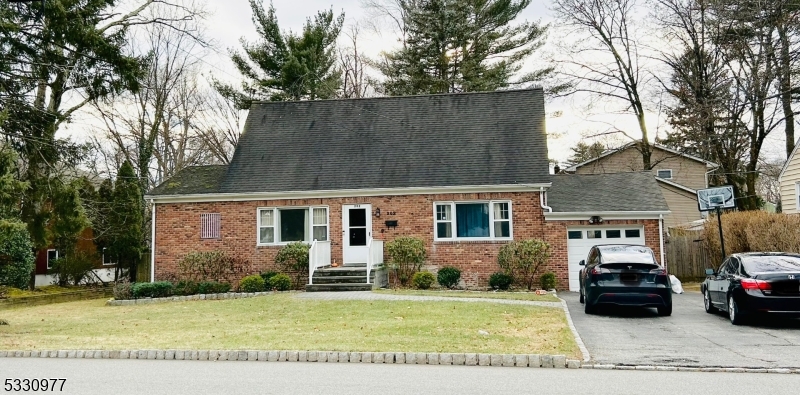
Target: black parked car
pixel 754 282
pixel 625 275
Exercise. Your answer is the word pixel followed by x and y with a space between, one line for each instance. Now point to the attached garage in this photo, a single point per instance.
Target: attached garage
pixel 581 239
pixel 591 209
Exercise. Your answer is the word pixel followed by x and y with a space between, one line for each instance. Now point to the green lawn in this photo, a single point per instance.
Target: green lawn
pixel 472 294
pixel 287 323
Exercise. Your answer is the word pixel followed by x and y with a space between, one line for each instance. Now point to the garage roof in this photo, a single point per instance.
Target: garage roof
pixel 618 192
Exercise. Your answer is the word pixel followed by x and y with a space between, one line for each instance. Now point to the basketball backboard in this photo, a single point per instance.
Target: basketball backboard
pixel 711 198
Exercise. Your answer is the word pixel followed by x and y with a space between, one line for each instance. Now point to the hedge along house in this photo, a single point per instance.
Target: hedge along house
pixel 466 173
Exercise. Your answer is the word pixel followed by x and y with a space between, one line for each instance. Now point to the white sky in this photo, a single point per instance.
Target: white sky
pixel 229 20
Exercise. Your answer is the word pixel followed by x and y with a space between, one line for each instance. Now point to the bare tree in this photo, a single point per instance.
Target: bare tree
pixel 218 126
pixel 356 82
pixel 607 61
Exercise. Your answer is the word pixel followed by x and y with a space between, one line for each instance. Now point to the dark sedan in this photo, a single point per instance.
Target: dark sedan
pixel 752 283
pixel 624 275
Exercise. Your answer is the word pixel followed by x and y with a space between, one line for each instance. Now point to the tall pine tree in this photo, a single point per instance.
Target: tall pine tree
pixel 461 46
pixel 124 237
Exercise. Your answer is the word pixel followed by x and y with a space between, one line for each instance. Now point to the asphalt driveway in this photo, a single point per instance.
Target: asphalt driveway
pixel 690 337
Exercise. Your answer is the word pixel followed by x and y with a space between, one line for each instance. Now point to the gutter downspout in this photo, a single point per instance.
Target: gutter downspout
pixel 153 244
pixel 543 200
pixel 661 240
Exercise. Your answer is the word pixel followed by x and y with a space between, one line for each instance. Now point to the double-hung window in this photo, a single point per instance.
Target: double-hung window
pixel 285 225
pixel 473 220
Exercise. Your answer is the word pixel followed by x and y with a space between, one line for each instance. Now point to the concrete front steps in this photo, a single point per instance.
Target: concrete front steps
pixel 343 278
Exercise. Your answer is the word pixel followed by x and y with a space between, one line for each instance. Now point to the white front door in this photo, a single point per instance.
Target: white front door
pixel 581 239
pixel 357 229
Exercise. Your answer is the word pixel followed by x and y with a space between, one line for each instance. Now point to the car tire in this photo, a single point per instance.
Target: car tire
pixel 665 311
pixel 735 315
pixel 710 309
pixel 588 308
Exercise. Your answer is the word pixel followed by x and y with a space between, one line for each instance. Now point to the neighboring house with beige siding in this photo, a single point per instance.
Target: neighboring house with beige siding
pixel 789 180
pixel 680 176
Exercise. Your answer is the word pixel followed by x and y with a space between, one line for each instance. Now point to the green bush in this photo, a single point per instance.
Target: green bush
pixel 500 280
pixel 185 287
pixel 16 250
pixel 212 287
pixel 159 289
pixel 252 283
pixel 266 276
pixel 293 258
pixel 522 259
pixel 548 281
pixel 423 280
pixel 406 256
pixel 123 290
pixel 448 277
pixel 280 282
pixel 74 268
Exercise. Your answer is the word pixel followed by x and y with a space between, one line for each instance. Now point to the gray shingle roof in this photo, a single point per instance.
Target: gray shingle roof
pixel 492 138
pixel 193 180
pixel 637 191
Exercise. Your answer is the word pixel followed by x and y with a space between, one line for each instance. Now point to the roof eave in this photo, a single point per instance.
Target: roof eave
pixel 606 215
pixel 250 196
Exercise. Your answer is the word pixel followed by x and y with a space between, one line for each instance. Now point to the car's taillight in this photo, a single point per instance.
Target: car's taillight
pixel 600 270
pixel 659 272
pixel 749 284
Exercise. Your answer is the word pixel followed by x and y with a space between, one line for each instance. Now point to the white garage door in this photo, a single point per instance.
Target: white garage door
pixel 581 240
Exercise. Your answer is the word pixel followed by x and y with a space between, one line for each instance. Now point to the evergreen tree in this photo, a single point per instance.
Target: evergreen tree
pixel 68 218
pixel 285 66
pixel 461 46
pixel 125 219
pixel 583 152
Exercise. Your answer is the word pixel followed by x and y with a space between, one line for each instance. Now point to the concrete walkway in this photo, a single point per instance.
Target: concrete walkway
pixel 416 298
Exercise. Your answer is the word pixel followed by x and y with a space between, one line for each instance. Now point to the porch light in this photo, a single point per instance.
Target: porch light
pixel 595 219
pixel 378 212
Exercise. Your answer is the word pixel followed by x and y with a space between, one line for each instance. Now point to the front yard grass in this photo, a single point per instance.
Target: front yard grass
pixel 282 322
pixel 472 294
pixel 14 293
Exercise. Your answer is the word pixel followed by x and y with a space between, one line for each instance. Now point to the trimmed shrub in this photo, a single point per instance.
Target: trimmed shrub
pixel 16 250
pixel 212 287
pixel 423 280
pixel 184 288
pixel 448 277
pixel 406 256
pixel 74 268
pixel 293 258
pixel 123 290
pixel 252 283
pixel 500 281
pixel 159 289
pixel 280 282
pixel 548 281
pixel 522 259
pixel 266 276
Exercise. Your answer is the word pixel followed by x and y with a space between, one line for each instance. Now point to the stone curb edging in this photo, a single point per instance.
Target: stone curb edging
pixel 220 296
pixel 415 358
pixel 575 334
pixel 408 358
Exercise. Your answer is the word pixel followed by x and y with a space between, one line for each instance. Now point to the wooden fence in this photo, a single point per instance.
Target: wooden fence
pixel 688 257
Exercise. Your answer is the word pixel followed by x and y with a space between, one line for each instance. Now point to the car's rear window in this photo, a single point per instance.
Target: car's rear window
pixel 770 263
pixel 627 254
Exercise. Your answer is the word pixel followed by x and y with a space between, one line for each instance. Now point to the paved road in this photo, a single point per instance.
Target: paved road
pixel 690 337
pixel 123 377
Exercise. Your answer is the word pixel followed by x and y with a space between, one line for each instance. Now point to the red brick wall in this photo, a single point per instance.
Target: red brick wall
pixel 178 231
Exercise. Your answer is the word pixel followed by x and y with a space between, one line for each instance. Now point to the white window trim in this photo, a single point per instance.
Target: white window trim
pixel 491 221
pixel 665 178
pixel 276 224
pixel 49 264
pixel 104 259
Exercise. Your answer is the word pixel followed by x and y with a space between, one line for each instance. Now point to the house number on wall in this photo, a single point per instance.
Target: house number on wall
pixel 391 213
